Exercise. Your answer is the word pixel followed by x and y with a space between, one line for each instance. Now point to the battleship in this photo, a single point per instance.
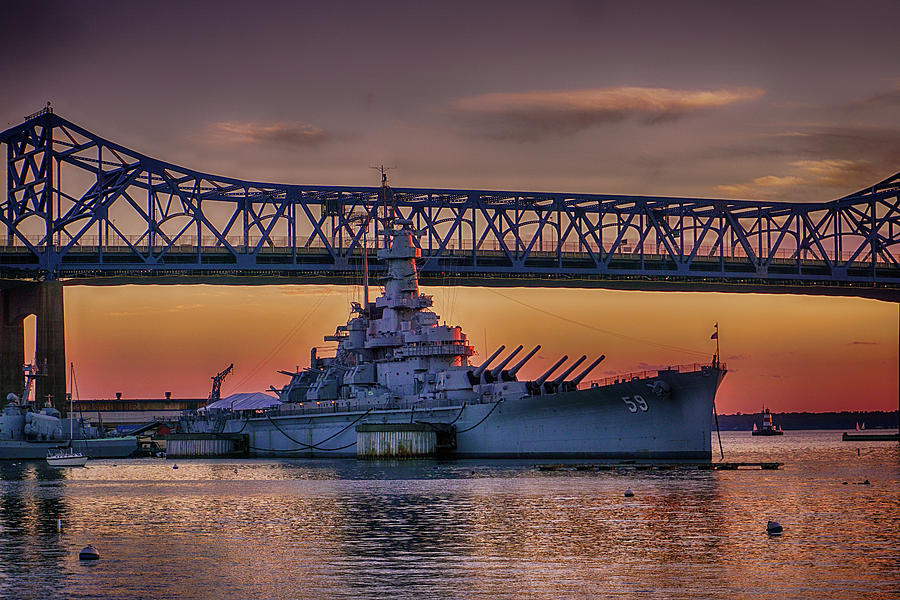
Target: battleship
pixel 396 366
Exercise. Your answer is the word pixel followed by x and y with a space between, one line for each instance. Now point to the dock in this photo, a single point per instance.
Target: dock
pixel 719 466
pixel 870 437
pixel 206 445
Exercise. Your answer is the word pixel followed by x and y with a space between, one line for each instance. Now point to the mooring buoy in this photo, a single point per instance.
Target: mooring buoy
pixel 774 527
pixel 629 494
pixel 88 553
pixel 174 466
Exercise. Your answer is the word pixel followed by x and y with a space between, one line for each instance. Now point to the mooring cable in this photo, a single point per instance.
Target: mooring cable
pixel 301 449
pixel 459 415
pixel 496 404
pixel 320 442
pixel 716 413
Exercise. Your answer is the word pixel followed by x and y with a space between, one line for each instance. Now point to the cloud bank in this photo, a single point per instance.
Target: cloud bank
pixel 831 173
pixel 292 134
pixel 530 116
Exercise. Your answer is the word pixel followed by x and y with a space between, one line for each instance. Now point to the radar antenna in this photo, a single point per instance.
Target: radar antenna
pixel 386 200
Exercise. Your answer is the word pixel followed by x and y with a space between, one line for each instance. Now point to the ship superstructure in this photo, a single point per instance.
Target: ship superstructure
pixel 393 352
pixel 395 363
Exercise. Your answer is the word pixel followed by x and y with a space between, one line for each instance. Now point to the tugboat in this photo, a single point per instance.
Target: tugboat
pixel 768 426
pixel 399 375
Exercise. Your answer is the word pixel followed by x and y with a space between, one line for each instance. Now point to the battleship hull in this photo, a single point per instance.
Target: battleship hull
pixel 622 420
pixel 96 448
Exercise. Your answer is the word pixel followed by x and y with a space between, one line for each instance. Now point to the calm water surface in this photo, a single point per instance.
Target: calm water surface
pixel 473 529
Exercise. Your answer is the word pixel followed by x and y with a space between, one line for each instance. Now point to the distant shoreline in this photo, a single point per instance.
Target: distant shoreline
pixel 846 420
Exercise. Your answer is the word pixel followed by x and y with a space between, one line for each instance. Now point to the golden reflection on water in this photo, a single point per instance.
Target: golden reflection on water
pixel 348 529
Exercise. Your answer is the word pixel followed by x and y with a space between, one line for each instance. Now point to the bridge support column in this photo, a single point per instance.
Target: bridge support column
pixel 45 301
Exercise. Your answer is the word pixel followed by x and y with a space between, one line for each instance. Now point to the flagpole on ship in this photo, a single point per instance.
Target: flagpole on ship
pixel 718 356
pixel 715 336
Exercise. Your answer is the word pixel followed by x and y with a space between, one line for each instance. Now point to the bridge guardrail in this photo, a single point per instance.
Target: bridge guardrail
pixel 312 244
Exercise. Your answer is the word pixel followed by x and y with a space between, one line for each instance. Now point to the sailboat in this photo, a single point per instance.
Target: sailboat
pixel 67 457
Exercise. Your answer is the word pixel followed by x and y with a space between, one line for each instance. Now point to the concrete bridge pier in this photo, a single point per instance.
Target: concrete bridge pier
pixel 45 301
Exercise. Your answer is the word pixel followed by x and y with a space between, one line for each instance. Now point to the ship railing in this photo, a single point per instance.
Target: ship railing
pixel 339 406
pixel 544 248
pixel 647 374
pixel 437 347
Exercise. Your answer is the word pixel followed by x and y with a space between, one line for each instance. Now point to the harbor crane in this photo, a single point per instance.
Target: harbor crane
pixel 215 393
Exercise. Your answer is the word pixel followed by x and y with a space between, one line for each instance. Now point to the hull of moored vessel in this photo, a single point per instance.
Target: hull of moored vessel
pixel 623 420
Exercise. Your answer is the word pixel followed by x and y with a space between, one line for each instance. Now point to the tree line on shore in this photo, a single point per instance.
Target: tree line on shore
pixel 847 420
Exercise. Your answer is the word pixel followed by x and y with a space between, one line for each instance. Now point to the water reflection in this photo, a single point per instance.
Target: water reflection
pixel 32 498
pixel 348 529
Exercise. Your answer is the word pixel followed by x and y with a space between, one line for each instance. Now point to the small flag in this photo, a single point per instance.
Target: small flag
pixel 714 336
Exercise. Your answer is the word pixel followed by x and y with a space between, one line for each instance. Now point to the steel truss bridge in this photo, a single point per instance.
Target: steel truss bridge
pixel 79 208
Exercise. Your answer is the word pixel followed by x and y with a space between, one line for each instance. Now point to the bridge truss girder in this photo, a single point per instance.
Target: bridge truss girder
pixel 78 205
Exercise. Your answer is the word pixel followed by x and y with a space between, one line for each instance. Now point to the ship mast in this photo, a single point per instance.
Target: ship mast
pixel 386 199
pixel 366 266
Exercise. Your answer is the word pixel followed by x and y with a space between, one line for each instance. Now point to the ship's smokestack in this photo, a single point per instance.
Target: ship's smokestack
pixel 584 373
pixel 540 380
pixel 512 372
pixel 495 372
pixel 477 372
pixel 565 373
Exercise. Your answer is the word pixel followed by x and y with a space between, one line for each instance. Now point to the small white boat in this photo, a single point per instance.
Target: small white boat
pixel 67 458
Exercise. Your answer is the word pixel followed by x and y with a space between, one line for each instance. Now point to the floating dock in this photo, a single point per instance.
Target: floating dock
pixel 206 445
pixel 719 466
pixel 404 440
pixel 870 437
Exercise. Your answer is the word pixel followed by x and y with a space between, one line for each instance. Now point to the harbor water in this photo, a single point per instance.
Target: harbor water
pixel 236 528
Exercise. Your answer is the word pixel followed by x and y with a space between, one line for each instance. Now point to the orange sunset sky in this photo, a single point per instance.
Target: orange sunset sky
pixel 793 101
pixel 785 352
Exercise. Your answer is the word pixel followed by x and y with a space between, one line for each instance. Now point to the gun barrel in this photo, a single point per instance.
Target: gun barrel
pixel 496 370
pixel 522 362
pixel 477 372
pixel 540 380
pixel 584 373
pixel 574 366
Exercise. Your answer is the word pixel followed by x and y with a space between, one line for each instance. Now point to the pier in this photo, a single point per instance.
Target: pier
pixel 870 437
pixel 718 466
pixel 206 445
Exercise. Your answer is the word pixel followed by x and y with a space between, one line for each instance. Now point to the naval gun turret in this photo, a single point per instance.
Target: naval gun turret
pixel 535 387
pixel 573 385
pixel 541 385
pixel 475 376
pixel 496 371
pixel 510 375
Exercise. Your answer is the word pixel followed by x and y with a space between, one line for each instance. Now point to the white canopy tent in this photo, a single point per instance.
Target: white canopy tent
pixel 244 401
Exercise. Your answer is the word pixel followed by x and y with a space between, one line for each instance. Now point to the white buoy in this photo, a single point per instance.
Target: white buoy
pixel 774 527
pixel 88 553
pixel 629 494
pixel 58 523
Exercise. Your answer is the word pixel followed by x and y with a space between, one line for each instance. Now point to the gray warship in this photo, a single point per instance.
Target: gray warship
pixel 29 432
pixel 395 366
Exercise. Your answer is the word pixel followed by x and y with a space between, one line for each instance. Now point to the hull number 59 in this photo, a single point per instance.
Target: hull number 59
pixel 634 403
